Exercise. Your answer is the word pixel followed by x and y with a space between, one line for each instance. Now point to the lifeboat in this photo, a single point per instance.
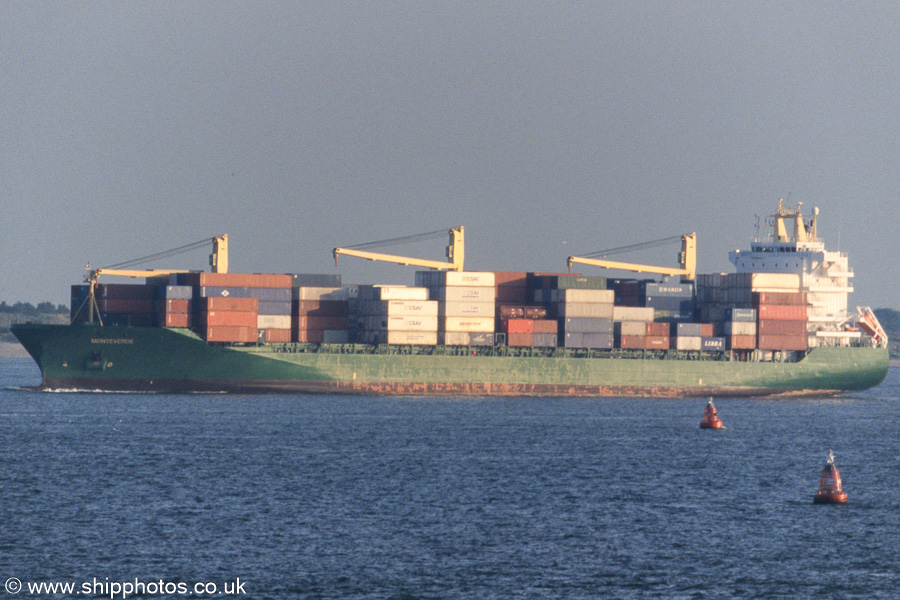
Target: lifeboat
pixel 711 420
pixel 830 491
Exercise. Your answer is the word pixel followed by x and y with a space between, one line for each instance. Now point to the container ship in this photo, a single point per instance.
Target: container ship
pixel 778 325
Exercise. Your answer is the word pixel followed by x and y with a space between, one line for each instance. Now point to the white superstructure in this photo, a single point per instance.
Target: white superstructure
pixel 791 246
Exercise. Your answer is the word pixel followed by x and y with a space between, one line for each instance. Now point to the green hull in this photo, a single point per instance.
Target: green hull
pixel 85 357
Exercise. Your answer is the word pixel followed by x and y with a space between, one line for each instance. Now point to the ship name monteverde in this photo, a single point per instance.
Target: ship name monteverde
pixel 112 341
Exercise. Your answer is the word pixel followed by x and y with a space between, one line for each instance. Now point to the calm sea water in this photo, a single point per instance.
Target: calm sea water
pixel 407 498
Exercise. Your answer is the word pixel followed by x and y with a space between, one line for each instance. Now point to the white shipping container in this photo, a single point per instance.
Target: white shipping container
pixel 634 313
pixel 688 342
pixel 453 278
pixel 579 295
pixel 465 338
pixel 392 292
pixel 405 323
pixel 740 327
pixel 459 293
pixel 631 328
pixel 420 338
pixel 466 309
pixel 273 321
pixel 585 309
pixel 470 324
pixel 390 308
pixel 775 281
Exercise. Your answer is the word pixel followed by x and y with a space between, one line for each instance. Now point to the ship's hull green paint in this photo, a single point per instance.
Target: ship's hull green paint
pixel 84 357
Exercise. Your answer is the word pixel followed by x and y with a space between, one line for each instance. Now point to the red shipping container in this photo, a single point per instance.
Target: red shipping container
pixel 229 318
pixel 783 312
pixel 314 336
pixel 320 308
pixel 741 342
pixel 513 326
pixel 658 329
pixel 174 320
pixel 510 278
pixel 220 303
pixel 512 294
pixel 312 322
pixel 780 327
pixel 707 330
pixel 657 342
pixel 545 326
pixel 781 298
pixel 520 340
pixel 175 306
pixel 231 334
pixel 278 336
pixel 782 342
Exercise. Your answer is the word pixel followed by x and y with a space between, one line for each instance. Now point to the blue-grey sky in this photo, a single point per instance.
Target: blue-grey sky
pixel 545 128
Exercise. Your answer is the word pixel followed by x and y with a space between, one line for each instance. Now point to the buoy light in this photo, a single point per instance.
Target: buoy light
pixel 830 490
pixel 711 418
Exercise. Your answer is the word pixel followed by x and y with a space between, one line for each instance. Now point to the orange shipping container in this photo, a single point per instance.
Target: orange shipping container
pixel 782 342
pixel 175 306
pixel 174 320
pixel 219 303
pixel 707 330
pixel 229 318
pixel 314 336
pixel 513 326
pixel 783 312
pixel 231 334
pixel 741 342
pixel 633 342
pixel 251 280
pixel 278 336
pixel 545 326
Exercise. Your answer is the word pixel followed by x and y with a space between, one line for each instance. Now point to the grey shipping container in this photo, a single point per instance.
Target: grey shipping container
pixel 585 325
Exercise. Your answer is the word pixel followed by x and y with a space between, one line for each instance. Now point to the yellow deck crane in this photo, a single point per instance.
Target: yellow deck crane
pixel 455 251
pixel 687 258
pixel 218 260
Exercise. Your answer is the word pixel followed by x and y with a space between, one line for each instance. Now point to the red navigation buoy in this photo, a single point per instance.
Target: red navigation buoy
pixel 830 491
pixel 711 420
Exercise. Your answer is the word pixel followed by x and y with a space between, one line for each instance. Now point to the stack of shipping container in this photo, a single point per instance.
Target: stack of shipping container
pixel 738 311
pixel 466 305
pixel 583 308
pixel 319 309
pixel 782 323
pixel 394 314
